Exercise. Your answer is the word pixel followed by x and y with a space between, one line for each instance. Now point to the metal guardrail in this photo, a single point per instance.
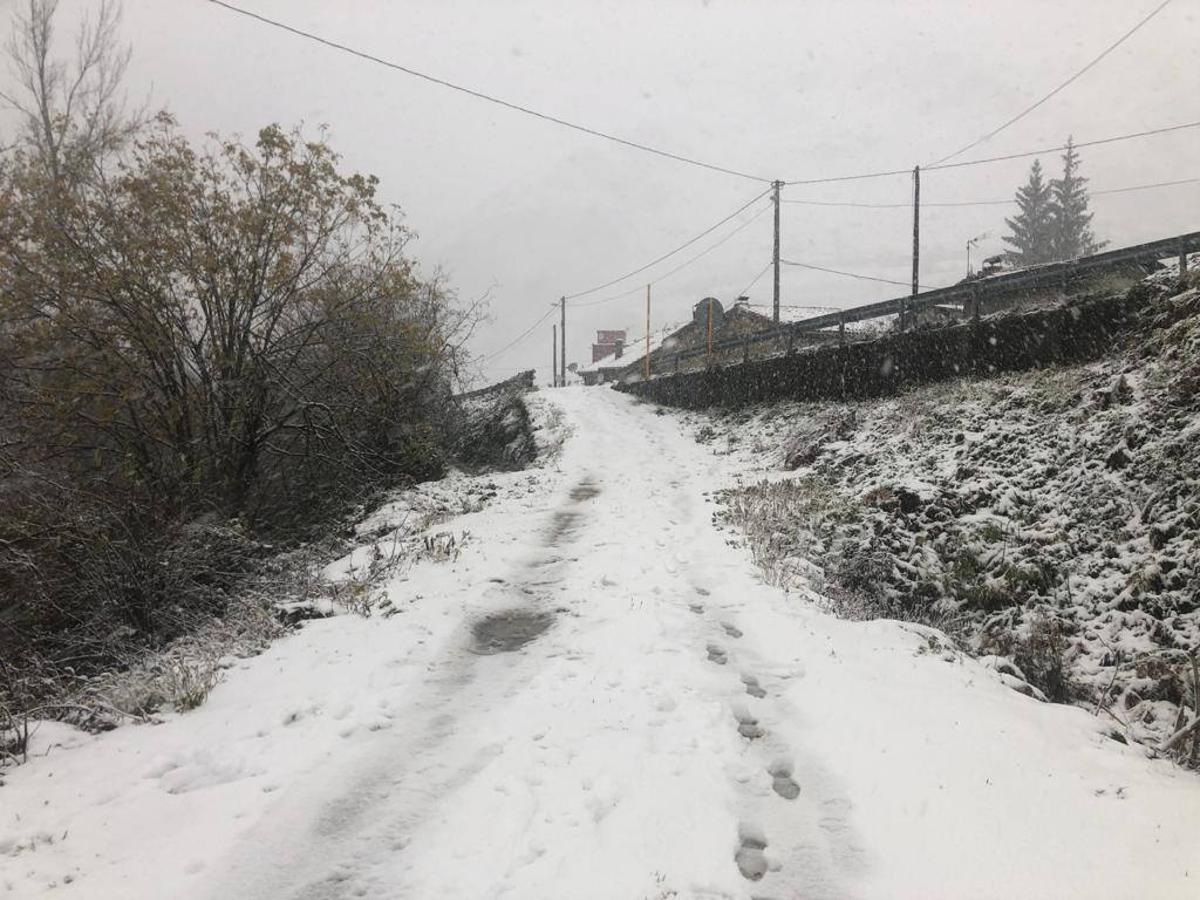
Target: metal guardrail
pixel 969 292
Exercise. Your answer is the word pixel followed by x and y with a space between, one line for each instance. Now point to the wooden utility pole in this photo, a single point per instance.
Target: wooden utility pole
pixel 554 355
pixel 916 253
pixel 775 257
pixel 647 332
pixel 563 339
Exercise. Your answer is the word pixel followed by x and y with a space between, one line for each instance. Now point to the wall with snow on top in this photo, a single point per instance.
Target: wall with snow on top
pixel 1077 332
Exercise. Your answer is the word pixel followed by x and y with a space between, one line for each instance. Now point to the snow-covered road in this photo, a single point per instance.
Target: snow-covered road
pixel 679 729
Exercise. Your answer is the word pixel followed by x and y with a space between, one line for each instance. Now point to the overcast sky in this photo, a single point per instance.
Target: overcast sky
pixel 791 90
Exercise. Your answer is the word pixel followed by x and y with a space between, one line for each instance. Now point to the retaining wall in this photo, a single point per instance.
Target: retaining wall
pixel 1082 330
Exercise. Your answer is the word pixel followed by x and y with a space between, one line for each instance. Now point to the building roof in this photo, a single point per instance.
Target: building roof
pixel 787 314
pixel 635 349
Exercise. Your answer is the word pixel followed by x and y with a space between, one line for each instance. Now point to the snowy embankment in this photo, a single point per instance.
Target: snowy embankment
pixel 1048 520
pixel 589 693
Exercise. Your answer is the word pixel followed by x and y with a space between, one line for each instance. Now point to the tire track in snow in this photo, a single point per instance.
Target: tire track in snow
pixel 329 854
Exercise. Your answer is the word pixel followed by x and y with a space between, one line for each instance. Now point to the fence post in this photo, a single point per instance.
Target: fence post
pixel 746 349
pixel 975 302
pixel 842 329
pixel 1182 259
pixel 676 363
pixel 791 344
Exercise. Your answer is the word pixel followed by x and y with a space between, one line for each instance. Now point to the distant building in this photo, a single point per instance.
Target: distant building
pixel 608 343
pixel 681 347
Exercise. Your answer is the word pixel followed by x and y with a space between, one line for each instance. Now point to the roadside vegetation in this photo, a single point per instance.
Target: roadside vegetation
pixel 1048 521
pixel 209 352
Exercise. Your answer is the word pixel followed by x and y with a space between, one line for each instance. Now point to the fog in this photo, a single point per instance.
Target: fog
pixel 523 211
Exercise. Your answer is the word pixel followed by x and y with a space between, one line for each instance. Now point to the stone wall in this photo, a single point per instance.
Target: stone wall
pixel 1081 330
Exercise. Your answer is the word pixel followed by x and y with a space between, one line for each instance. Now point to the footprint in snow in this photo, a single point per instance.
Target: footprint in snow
pixel 717 655
pixel 731 630
pixel 696 608
pixel 750 859
pixel 753 688
pixel 748 726
pixel 782 782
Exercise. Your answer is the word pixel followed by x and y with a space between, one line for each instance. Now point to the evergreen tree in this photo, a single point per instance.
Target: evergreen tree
pixel 1032 238
pixel 1071 227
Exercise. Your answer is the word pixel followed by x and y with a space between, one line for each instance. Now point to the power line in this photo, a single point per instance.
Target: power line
pixel 788 262
pixel 908 205
pixel 1023 113
pixel 754 280
pixel 991 159
pixel 639 288
pixel 1146 187
pixel 1095 143
pixel 522 336
pixel 681 247
pixel 764 270
pixel 707 250
pixel 525 334
pixel 516 107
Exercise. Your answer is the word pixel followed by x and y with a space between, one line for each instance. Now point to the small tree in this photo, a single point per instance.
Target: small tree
pixel 1071 225
pixel 72 115
pixel 1032 238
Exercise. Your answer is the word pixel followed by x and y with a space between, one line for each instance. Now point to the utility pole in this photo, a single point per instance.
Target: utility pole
pixel 916 253
pixel 647 332
pixel 775 187
pixel 563 339
pixel 554 355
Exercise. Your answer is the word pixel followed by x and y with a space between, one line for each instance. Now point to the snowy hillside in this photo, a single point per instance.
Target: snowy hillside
pixel 1051 520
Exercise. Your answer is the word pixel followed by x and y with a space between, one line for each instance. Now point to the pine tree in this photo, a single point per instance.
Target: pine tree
pixel 1071 226
pixel 1032 237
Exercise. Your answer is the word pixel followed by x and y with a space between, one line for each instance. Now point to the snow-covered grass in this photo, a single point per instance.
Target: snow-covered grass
pixel 1050 519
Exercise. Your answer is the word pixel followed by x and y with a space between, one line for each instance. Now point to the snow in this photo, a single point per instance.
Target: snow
pixel 380 757
pixel 787 313
pixel 1001 508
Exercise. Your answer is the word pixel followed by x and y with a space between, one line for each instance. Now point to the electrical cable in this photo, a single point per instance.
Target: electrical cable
pixel 635 290
pixel 991 159
pixel 682 246
pixel 520 338
pixel 525 334
pixel 1023 113
pixel 788 262
pixel 516 107
pixel 1077 146
pixel 924 204
pixel 754 280
pixel 681 266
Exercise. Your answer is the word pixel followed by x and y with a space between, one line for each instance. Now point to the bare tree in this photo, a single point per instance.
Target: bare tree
pixel 74 114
